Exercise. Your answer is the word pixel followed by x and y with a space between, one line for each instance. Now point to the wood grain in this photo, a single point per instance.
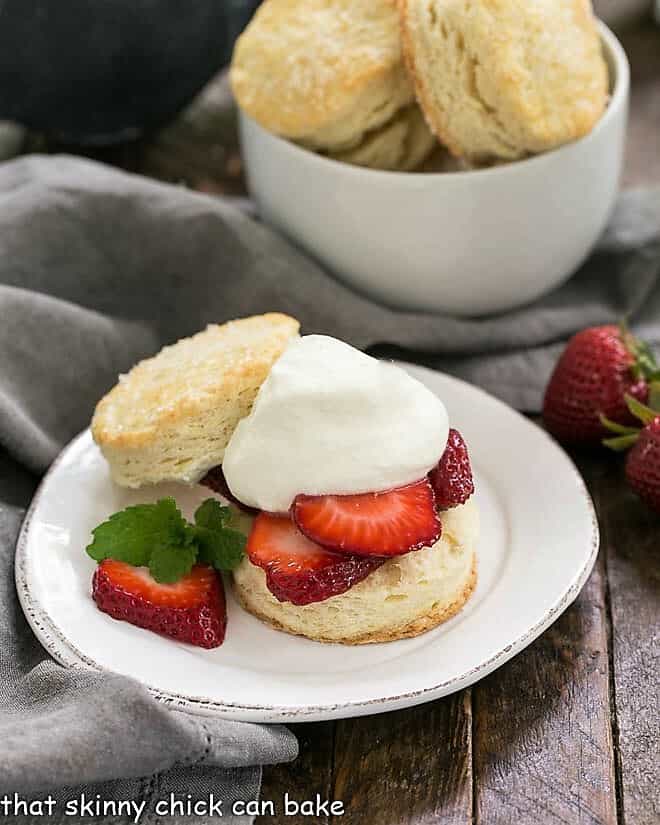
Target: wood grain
pixel 542 738
pixel 631 546
pixel 309 775
pixel 409 767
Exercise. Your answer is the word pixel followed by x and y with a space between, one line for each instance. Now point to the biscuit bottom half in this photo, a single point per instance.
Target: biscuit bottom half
pixel 405 597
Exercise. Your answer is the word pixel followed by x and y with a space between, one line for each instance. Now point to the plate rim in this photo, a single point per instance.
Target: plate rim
pixel 68 655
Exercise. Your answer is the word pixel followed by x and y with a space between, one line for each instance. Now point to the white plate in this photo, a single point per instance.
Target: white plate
pixel 539 542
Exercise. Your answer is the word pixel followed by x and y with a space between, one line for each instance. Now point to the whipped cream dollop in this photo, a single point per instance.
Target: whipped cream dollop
pixel 330 419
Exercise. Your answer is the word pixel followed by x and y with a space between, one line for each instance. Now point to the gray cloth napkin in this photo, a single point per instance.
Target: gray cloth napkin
pixel 61 729
pixel 98 269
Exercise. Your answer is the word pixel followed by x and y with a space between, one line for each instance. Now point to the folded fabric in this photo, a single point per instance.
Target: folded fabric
pixel 61 729
pixel 98 269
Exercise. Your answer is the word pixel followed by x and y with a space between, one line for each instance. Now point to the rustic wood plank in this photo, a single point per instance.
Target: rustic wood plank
pixel 631 542
pixel 309 775
pixel 543 748
pixel 409 767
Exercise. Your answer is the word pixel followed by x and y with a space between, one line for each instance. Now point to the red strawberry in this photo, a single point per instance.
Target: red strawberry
pixel 643 464
pixel 599 366
pixel 371 524
pixel 192 610
pixel 297 570
pixel 451 478
pixel 215 480
pixel 643 460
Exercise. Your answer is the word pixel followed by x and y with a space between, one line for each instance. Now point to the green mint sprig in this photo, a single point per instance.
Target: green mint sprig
pixel 157 536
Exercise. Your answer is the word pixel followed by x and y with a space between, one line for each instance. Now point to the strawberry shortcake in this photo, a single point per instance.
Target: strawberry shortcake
pixel 356 492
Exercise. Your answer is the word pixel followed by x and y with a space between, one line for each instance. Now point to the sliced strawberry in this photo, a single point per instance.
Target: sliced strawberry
pixel 297 570
pixel 451 478
pixel 191 610
pixel 371 524
pixel 215 480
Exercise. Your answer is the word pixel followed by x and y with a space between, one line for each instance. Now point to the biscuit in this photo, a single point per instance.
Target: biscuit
pixel 321 72
pixel 401 145
pixel 172 416
pixel 405 597
pixel 503 79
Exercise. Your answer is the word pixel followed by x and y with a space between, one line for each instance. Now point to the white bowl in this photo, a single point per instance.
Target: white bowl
pixel 463 243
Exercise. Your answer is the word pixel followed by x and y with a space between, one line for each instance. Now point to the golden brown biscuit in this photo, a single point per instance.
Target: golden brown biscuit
pixel 322 72
pixel 405 597
pixel 172 416
pixel 502 79
pixel 401 145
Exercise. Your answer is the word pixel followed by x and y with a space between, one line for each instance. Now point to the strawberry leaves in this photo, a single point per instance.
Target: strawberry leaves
pixel 645 365
pixel 626 436
pixel 157 536
pixel 640 411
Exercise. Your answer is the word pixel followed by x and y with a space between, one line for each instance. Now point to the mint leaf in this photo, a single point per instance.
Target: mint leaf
pixel 219 544
pixel 168 564
pixel 158 537
pixel 132 534
pixel 212 515
pixel 223 549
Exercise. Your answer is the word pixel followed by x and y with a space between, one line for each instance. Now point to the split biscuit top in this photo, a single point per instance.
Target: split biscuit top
pixel 171 417
pixel 502 79
pixel 321 72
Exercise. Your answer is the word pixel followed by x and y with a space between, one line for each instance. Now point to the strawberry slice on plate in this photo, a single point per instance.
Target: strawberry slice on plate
pixel 297 570
pixel 451 478
pixel 390 523
pixel 192 610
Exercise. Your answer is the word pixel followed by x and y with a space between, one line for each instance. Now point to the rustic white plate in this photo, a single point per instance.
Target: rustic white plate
pixel 539 542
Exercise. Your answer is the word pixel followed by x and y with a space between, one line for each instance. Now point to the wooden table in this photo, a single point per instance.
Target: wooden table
pixel 566 732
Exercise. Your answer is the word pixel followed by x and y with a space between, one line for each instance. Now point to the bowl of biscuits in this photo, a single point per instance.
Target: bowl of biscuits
pixel 446 156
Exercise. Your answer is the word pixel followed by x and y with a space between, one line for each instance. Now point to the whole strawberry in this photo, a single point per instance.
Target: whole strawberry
pixel 643 464
pixel 598 368
pixel 643 459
